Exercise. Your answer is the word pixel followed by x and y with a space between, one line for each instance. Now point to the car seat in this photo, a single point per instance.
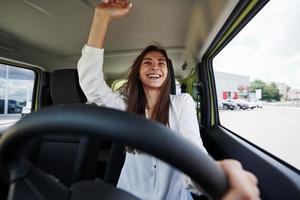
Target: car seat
pixel 69 158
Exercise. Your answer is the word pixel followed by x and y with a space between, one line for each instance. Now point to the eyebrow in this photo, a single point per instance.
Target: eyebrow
pixel 160 59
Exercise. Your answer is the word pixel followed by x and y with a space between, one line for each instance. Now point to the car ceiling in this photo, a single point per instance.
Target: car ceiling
pixel 51 34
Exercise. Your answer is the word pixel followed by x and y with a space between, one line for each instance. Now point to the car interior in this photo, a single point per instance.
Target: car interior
pixel 66 148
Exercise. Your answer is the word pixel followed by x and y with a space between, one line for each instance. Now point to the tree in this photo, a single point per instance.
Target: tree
pixel 256 85
pixel 269 91
pixel 272 92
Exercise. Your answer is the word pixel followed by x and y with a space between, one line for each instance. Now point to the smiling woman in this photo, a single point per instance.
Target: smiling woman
pixel 137 97
pixel 46 37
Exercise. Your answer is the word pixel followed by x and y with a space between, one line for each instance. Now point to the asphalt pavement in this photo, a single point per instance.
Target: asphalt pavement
pixel 275 129
pixel 8 119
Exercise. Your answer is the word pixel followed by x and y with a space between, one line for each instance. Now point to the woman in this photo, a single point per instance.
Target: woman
pixel 147 93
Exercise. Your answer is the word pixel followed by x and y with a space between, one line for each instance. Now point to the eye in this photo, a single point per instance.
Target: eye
pixel 162 63
pixel 146 63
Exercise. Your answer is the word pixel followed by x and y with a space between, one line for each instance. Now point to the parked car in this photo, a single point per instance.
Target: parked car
pixel 220 104
pixel 1 106
pixel 14 107
pixel 229 104
pixel 26 109
pixel 257 103
pixel 244 104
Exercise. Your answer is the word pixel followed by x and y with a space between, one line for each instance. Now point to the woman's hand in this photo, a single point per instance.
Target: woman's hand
pixel 113 9
pixel 104 13
pixel 243 184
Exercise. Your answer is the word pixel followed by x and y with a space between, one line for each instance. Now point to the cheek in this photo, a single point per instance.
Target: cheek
pixel 165 77
pixel 142 75
pixel 165 71
pixel 141 71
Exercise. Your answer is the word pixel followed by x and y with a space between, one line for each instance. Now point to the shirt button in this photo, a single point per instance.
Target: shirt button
pixel 154 166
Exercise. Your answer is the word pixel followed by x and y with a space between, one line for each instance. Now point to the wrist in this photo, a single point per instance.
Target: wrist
pixel 99 16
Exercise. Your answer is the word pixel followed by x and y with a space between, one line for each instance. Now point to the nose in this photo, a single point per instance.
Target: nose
pixel 154 66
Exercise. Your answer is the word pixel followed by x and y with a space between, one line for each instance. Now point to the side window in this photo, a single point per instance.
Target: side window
pixel 258 86
pixel 16 87
pixel 117 85
pixel 197 97
pixel 192 86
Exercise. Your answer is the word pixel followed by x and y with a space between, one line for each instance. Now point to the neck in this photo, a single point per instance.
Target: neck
pixel 152 97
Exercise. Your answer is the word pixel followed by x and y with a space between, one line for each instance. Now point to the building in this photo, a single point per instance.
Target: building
pixel 293 94
pixel 232 85
pixel 283 89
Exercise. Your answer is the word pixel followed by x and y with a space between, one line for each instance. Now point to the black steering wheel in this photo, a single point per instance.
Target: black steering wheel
pixel 117 126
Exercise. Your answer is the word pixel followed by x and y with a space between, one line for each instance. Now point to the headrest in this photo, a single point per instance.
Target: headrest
pixel 173 83
pixel 65 88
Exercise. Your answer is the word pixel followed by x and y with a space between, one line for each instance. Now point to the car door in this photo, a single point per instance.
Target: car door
pixel 18 87
pixel 277 178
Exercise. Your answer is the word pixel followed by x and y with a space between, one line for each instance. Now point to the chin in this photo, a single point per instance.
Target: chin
pixel 153 87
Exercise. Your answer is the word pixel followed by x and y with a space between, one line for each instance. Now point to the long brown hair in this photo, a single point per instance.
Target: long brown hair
pixel 135 95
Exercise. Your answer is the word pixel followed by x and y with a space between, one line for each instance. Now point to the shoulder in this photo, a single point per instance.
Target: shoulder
pixel 182 98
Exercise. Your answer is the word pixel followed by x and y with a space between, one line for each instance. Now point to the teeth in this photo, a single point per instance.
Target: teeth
pixel 153 75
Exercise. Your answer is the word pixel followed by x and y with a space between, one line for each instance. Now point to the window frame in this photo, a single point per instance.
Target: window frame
pixel 36 71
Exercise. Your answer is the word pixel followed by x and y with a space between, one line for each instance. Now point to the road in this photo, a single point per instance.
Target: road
pixel 8 119
pixel 275 129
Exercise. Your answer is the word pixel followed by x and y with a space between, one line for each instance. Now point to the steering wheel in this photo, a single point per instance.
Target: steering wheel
pixel 26 180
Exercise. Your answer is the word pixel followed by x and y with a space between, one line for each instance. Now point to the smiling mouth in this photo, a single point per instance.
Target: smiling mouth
pixel 153 76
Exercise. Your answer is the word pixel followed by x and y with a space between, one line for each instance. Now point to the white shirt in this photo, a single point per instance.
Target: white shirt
pixel 142 175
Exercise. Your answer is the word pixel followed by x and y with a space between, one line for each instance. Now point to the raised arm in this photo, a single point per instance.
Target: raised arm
pixel 90 64
pixel 105 12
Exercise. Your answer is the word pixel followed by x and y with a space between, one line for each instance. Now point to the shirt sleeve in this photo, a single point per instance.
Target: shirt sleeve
pixel 188 122
pixel 91 79
pixel 189 128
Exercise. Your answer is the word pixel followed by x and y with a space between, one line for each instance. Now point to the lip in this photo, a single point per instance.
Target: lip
pixel 154 74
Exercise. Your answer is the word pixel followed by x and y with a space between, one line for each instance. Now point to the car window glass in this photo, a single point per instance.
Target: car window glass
pixel 117 85
pixel 257 78
pixel 16 87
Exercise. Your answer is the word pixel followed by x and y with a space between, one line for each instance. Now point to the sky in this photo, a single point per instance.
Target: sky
pixel 268 48
pixel 20 83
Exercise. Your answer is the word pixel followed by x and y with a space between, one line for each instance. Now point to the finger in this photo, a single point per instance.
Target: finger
pixel 126 10
pixel 256 191
pixel 129 5
pixel 107 1
pixel 254 181
pixel 124 4
pixel 229 164
pixel 252 177
pixel 118 4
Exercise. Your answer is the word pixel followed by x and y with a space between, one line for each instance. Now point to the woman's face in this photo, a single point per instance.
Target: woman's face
pixel 153 70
